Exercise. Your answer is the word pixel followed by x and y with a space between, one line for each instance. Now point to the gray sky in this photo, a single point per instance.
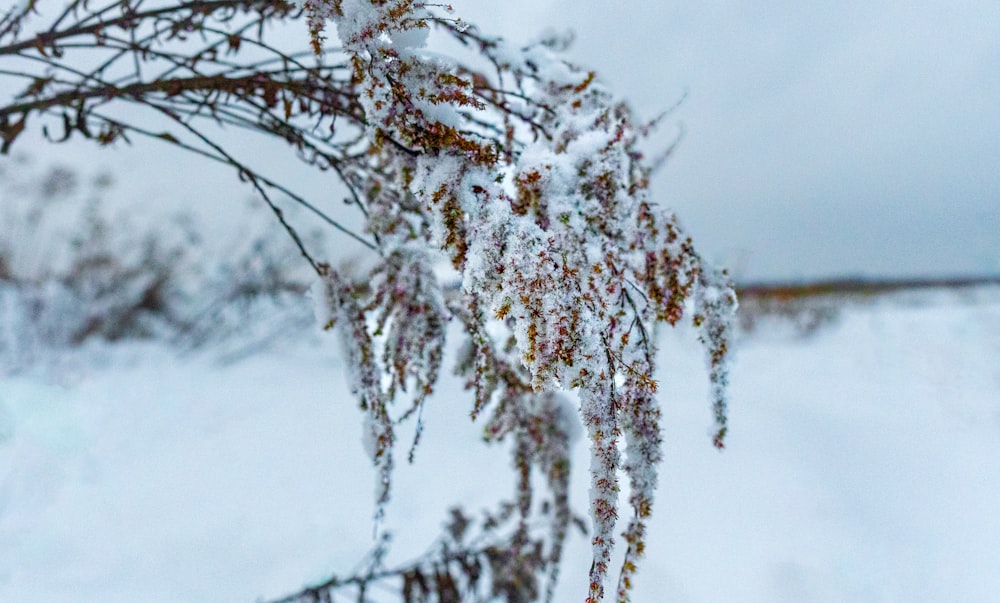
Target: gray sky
pixel 822 138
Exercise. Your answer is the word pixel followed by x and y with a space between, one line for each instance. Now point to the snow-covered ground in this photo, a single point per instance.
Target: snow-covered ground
pixel 863 464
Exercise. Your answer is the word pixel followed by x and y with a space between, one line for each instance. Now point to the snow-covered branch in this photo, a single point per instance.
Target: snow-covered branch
pixel 525 176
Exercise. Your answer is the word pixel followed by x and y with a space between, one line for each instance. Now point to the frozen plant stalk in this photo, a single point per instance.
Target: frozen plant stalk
pixel 529 180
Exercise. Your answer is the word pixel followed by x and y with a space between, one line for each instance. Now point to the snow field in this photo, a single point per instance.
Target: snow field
pixel 863 464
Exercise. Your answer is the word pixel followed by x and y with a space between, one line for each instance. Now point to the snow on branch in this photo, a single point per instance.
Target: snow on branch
pixel 529 180
pixel 514 166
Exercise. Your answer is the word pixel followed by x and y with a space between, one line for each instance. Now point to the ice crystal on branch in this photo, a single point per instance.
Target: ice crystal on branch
pixel 529 179
pixel 512 165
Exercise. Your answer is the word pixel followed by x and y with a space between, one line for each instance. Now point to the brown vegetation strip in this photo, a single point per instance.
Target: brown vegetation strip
pixel 855 286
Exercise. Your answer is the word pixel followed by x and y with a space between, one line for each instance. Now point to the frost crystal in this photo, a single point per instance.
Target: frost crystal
pixel 529 180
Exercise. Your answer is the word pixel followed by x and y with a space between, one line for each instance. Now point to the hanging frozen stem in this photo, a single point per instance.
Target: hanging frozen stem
pixel 513 165
pixel 529 180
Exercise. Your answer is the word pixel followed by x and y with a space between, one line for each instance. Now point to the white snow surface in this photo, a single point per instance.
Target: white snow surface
pixel 862 464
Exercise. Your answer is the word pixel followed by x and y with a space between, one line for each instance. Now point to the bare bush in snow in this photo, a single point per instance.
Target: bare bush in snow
pixel 514 166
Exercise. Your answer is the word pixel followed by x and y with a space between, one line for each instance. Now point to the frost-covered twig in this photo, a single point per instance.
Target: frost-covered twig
pixel 526 177
pixel 549 237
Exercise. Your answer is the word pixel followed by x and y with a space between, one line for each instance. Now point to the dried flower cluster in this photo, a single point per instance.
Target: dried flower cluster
pixel 511 164
pixel 529 179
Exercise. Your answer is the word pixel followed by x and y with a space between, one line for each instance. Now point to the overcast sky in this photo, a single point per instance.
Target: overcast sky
pixel 822 138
